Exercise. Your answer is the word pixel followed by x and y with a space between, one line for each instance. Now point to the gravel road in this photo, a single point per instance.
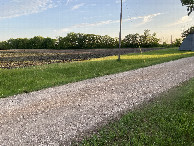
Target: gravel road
pixel 56 115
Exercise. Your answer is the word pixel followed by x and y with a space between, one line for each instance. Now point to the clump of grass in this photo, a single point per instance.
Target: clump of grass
pixel 23 80
pixel 169 120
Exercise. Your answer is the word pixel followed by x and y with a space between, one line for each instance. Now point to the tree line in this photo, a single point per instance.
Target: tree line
pixel 80 41
pixel 84 41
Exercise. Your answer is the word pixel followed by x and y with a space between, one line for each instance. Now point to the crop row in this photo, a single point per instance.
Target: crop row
pixel 33 59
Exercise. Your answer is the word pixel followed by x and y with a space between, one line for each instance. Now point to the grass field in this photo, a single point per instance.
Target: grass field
pixel 168 120
pixel 23 80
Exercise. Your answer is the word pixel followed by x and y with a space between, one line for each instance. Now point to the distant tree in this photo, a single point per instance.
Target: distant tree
pixel 131 40
pixel 22 43
pixel 91 41
pixel 14 43
pixel 36 42
pixel 164 44
pixel 177 42
pixel 71 41
pixel 81 41
pixel 145 40
pixel 88 41
pixel 189 4
pixel 148 40
pixel 48 43
pixel 4 45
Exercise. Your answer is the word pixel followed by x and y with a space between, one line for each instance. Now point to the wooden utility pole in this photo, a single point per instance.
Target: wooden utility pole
pixel 119 54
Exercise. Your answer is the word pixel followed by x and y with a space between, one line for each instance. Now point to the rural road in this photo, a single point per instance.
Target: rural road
pixel 56 115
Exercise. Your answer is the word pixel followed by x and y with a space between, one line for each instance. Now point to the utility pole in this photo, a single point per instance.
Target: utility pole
pixel 119 55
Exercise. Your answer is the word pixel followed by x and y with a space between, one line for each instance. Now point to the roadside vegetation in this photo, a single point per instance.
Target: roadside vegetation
pixel 24 80
pixel 167 120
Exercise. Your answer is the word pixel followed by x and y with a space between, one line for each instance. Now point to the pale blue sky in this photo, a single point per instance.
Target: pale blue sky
pixel 52 18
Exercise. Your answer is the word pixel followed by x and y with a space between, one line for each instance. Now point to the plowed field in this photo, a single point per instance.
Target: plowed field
pixel 30 57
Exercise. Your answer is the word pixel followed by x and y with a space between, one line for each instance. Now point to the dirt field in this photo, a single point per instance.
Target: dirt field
pixel 31 57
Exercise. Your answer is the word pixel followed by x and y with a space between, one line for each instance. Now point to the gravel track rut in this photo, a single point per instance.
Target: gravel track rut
pixel 57 115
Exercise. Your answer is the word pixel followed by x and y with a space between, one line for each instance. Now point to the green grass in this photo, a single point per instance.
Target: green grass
pixel 29 79
pixel 167 120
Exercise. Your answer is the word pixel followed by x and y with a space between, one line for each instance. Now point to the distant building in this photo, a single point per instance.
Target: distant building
pixel 188 43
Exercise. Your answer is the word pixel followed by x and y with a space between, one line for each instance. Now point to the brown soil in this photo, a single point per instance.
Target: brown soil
pixel 17 58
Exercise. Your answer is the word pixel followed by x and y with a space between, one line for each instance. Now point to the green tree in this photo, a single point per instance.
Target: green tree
pixel 131 40
pixel 60 43
pixel 187 32
pixel 22 43
pixel 145 40
pixel 71 41
pixel 36 42
pixel 13 43
pixel 189 4
pixel 4 45
pixel 148 40
pixel 48 43
pixel 177 42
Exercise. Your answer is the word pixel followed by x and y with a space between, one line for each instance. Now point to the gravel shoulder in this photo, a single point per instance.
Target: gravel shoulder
pixel 59 114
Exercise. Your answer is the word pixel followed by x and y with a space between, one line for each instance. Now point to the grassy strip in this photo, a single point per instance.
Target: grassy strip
pixel 29 79
pixel 169 120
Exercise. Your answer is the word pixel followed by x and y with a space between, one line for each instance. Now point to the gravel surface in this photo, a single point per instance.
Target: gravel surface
pixel 56 115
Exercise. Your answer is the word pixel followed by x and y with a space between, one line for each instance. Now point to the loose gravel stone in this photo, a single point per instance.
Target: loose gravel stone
pixel 56 115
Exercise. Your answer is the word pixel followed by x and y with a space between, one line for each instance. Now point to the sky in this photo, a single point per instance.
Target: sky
pixel 54 18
